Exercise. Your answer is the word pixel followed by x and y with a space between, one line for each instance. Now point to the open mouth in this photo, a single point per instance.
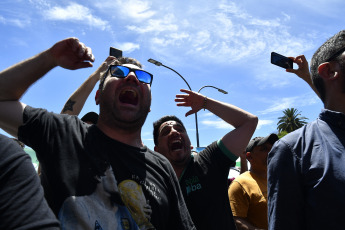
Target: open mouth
pixel 176 145
pixel 128 96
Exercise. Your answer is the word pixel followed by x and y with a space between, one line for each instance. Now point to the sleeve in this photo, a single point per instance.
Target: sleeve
pixel 22 203
pixel 47 133
pixel 285 190
pixel 218 157
pixel 239 200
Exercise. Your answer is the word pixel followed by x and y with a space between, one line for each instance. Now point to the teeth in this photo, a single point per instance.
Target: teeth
pixel 129 90
pixel 176 141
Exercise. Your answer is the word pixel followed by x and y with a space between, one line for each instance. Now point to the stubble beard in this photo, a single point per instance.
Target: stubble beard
pixel 119 119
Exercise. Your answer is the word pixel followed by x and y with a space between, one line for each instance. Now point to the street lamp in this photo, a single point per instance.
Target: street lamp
pixel 157 63
pixel 220 90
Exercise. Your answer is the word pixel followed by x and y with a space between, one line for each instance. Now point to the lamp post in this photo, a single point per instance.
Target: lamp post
pixel 157 63
pixel 220 90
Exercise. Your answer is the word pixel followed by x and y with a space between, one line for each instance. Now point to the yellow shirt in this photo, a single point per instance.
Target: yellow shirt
pixel 248 199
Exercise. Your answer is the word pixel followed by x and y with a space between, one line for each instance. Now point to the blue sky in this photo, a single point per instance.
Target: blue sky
pixel 226 44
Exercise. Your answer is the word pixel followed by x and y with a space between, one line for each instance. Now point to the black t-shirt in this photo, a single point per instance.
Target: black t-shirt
pixel 22 203
pixel 205 189
pixel 73 153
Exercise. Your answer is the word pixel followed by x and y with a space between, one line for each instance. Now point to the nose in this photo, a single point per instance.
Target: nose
pixel 132 77
pixel 174 132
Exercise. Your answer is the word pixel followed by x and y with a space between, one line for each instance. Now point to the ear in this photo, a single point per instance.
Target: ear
pixel 328 71
pixel 97 97
pixel 191 147
pixel 155 148
pixel 249 156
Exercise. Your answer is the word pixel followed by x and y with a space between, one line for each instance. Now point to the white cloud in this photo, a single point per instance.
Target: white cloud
pixel 263 123
pixel 288 102
pixel 136 10
pixel 156 25
pixel 75 12
pixel 129 47
pixel 228 32
pixel 217 124
pixel 21 23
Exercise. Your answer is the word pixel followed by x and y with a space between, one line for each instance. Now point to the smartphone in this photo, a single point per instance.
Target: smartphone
pixel 115 52
pixel 282 61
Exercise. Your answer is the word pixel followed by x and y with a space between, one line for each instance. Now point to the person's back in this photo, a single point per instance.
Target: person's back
pixel 22 203
pixel 311 163
pixel 306 175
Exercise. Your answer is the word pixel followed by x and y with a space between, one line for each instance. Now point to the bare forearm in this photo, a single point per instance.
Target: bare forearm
pixel 230 113
pixel 76 101
pixel 15 80
pixel 244 123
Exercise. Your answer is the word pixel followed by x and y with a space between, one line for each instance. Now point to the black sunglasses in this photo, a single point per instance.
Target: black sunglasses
pixel 336 54
pixel 120 71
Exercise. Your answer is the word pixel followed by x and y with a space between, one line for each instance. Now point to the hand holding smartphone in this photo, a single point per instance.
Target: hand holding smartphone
pixel 115 52
pixel 281 61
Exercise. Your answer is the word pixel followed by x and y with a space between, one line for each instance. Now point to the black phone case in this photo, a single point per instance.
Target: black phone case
pixel 115 52
pixel 282 61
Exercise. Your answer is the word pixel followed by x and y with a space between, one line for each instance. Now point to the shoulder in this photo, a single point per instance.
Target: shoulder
pixel 157 158
pixel 244 178
pixel 10 151
pixel 298 139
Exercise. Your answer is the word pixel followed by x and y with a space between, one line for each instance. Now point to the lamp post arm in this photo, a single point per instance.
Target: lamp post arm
pixel 179 75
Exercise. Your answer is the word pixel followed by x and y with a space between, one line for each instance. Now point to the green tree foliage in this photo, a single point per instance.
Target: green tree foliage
pixel 282 134
pixel 291 121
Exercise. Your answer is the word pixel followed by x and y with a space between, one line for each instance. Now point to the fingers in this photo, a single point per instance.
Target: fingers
pixel 84 52
pixel 185 91
pixel 189 113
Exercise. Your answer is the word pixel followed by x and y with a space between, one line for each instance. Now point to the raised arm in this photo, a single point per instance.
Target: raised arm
pixel 303 71
pixel 15 80
pixel 244 122
pixel 76 101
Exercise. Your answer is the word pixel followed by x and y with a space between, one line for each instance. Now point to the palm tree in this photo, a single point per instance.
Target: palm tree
pixel 291 120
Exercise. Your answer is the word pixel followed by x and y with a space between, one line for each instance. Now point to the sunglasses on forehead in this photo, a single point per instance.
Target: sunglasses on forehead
pixel 120 71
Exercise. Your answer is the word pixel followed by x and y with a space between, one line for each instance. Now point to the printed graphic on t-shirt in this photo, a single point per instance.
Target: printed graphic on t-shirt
pixel 192 184
pixel 100 210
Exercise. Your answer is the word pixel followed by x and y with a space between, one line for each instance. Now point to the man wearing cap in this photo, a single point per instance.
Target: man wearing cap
pixel 248 192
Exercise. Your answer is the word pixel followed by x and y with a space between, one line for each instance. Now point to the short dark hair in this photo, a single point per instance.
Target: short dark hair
pixel 322 54
pixel 119 61
pixel 90 117
pixel 157 124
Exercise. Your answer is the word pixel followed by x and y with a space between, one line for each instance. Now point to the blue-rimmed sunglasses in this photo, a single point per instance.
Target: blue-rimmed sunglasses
pixel 120 71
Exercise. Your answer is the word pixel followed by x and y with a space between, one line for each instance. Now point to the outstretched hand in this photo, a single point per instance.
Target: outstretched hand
pixel 71 54
pixel 190 99
pixel 303 68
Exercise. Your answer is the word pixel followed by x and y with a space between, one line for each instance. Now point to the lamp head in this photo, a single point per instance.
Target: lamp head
pixel 157 63
pixel 222 91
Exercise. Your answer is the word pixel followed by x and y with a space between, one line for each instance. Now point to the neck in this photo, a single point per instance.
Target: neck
pixel 178 170
pixel 335 105
pixel 132 138
pixel 259 172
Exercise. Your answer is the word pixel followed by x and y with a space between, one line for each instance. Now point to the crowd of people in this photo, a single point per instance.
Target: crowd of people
pixel 96 172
